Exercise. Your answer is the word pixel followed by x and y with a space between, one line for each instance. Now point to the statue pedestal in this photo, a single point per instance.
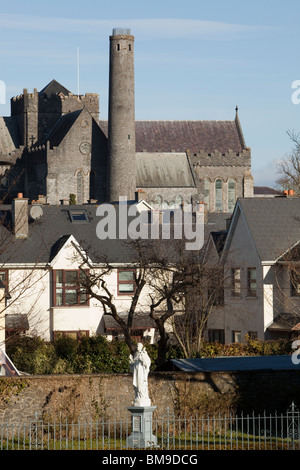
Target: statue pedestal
pixel 141 435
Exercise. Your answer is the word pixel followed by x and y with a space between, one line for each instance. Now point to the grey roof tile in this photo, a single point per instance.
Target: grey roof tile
pixel 274 224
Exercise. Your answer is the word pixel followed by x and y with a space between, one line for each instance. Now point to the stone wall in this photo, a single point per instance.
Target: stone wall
pixel 73 397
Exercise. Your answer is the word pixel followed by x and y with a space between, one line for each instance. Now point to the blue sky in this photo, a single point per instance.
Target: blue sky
pixel 193 60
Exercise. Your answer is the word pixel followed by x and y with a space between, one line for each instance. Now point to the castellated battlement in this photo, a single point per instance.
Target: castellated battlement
pixel 55 103
pixel 25 94
pixel 217 158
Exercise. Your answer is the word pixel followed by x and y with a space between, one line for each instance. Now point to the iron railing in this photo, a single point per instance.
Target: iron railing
pixel 216 432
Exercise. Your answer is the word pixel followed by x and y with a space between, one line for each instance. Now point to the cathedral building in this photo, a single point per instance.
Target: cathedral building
pixel 55 145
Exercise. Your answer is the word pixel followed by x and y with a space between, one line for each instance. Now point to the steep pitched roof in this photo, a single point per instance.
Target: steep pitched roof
pixel 273 223
pixel 8 135
pixel 61 128
pixel 54 88
pixel 180 136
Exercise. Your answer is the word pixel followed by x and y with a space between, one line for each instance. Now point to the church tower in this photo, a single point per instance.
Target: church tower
pixel 121 116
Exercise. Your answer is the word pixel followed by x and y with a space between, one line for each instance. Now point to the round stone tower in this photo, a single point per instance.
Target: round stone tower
pixel 121 116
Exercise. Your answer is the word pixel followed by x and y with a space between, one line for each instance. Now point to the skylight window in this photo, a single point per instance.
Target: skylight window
pixel 78 216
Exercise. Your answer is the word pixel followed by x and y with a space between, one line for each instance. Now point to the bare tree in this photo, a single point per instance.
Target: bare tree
pixel 201 297
pixel 289 168
pixel 286 301
pixel 172 284
pixel 95 283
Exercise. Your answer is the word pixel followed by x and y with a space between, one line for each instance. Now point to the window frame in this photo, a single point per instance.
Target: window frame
pixel 219 195
pixel 231 194
pixel 294 284
pixel 120 270
pixel 236 282
pixel 236 336
pixel 65 288
pixel 216 335
pixel 67 333
pixel 5 282
pixel 250 291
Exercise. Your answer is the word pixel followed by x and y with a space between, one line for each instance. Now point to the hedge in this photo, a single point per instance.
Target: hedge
pixel 95 354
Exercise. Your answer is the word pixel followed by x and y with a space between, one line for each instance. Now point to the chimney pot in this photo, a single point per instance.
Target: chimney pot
pixel 20 216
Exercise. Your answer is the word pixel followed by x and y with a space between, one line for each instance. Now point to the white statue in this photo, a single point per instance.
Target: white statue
pixel 140 364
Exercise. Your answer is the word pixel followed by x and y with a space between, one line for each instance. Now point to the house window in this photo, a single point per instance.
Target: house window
pixel 236 336
pixel 236 282
pixel 219 195
pixel 295 283
pixel 76 335
pixel 252 335
pixel 4 279
pixel 216 336
pixel 68 288
pixel 251 282
pixel 126 282
pixel 231 195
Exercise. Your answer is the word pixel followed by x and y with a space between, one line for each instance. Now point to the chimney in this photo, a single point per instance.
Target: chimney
pixel 140 194
pixel 291 192
pixel 20 216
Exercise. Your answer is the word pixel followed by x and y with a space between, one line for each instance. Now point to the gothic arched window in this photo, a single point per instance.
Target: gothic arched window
pixel 178 201
pixel 231 195
pixel 158 201
pixel 219 195
pixel 206 193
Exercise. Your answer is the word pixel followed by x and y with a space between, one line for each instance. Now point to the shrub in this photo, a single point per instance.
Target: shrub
pixel 32 355
pixel 97 355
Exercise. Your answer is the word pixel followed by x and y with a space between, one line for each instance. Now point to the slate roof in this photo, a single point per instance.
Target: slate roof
pixel 155 170
pixel 240 363
pixel 53 88
pixel 265 190
pixel 61 128
pixel 180 136
pixel 219 239
pixel 274 224
pixel 48 233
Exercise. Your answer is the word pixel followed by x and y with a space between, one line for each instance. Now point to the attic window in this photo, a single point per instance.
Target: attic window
pixel 78 215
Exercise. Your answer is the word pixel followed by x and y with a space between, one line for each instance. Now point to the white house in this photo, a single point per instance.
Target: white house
pixel 43 249
pixel 260 254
